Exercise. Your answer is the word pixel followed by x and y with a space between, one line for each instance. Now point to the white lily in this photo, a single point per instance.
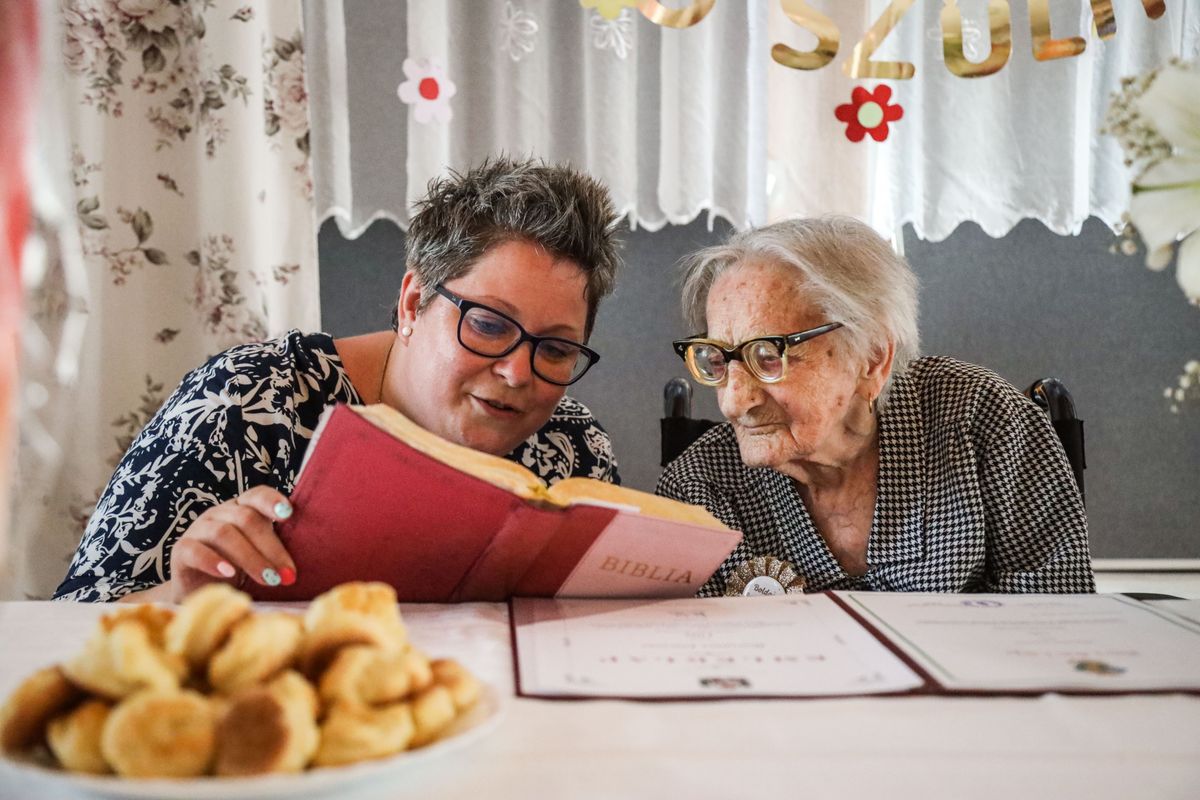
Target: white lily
pixel 1166 198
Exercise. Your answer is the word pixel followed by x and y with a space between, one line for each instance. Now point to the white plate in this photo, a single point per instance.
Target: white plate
pixel 476 723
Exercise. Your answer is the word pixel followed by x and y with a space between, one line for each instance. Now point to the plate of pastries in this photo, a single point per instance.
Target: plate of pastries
pixel 215 698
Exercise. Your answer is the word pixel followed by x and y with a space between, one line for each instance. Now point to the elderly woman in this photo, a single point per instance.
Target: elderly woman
pixel 506 267
pixel 861 465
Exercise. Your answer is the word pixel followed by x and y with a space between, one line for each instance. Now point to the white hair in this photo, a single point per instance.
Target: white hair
pixel 851 273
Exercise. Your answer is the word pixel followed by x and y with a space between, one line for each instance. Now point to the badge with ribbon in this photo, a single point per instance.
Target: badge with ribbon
pixel 764 575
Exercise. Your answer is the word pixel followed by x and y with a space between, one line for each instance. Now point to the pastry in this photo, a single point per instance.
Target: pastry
pixel 353 613
pixel 366 675
pixel 463 686
pixel 416 664
pixel 124 655
pixel 23 717
pixel 154 619
pixel 433 711
pixel 357 733
pixel 204 621
pixel 258 647
pixel 269 728
pixel 160 734
pixel 74 738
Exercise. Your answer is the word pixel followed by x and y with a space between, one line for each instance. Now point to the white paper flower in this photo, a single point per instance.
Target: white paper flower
pixel 517 29
pixel 1166 198
pixel 427 90
pixel 613 34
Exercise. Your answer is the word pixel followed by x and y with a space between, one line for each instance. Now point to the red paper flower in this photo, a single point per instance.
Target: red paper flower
pixel 868 112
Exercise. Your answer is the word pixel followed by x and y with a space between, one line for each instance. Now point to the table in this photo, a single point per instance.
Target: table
pixel 1053 746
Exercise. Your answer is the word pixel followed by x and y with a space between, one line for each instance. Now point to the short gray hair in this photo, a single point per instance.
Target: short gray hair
pixel 852 274
pixel 560 209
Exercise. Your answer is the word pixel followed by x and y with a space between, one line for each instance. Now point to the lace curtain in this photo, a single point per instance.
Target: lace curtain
pixel 190 185
pixel 702 119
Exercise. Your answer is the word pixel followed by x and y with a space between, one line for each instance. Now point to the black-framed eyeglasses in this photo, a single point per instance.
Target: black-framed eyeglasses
pixel 765 356
pixel 487 332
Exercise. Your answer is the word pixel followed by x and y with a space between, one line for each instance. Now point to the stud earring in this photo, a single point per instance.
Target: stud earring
pixel 406 331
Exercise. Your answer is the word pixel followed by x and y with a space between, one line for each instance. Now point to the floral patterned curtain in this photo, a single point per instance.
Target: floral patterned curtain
pixel 18 80
pixel 188 123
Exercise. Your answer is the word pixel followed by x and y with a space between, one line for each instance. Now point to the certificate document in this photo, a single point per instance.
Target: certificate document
pixel 1188 609
pixel 1037 642
pixel 782 646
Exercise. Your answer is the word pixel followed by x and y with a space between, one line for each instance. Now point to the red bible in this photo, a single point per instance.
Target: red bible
pixel 381 499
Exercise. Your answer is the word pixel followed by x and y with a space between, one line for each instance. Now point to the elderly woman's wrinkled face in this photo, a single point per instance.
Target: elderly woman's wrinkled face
pixel 812 414
pixel 493 404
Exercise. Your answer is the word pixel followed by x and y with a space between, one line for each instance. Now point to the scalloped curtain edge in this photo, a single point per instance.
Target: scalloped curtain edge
pixel 342 218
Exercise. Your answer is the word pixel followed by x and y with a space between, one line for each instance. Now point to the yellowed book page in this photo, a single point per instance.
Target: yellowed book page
pixel 573 490
pixel 495 470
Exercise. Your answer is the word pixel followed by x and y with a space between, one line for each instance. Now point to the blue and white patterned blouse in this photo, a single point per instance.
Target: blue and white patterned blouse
pixel 244 419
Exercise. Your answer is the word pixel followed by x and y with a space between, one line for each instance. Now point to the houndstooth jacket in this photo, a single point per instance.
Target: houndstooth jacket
pixel 974 495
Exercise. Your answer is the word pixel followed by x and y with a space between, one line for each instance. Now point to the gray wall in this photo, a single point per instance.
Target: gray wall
pixel 1029 305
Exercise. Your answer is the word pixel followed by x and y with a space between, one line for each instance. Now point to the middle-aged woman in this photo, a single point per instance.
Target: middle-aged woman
pixel 507 264
pixel 847 456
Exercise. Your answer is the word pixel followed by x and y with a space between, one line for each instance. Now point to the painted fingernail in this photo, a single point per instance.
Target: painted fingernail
pixel 226 569
pixel 270 577
pixel 287 575
pixel 283 509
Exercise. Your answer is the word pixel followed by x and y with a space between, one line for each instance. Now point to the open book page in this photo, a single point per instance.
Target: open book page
pixel 784 646
pixel 1037 642
pixel 495 470
pixel 593 492
pixel 513 477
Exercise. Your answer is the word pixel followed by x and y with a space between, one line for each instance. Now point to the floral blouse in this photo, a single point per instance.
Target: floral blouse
pixel 243 419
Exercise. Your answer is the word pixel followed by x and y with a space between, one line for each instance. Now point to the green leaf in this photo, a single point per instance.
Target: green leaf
pixel 94 221
pixel 302 143
pixel 227 71
pixel 153 60
pixel 192 257
pixel 143 226
pixel 136 36
pixel 155 256
pixel 87 205
pixel 284 48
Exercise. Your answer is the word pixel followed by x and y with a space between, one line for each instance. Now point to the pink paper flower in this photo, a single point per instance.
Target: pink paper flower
pixel 427 90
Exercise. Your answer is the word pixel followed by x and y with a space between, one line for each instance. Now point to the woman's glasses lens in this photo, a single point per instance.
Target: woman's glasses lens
pixel 486 333
pixel 765 359
pixel 489 334
pixel 709 366
pixel 707 363
pixel 559 361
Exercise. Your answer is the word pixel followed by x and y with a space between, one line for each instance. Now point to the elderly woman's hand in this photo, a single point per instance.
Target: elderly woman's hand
pixel 230 542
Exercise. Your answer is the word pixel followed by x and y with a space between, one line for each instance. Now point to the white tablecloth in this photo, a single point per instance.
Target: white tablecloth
pixel 1139 746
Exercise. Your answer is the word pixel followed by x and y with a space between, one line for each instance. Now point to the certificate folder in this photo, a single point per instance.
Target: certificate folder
pixel 841 644
pixel 380 498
